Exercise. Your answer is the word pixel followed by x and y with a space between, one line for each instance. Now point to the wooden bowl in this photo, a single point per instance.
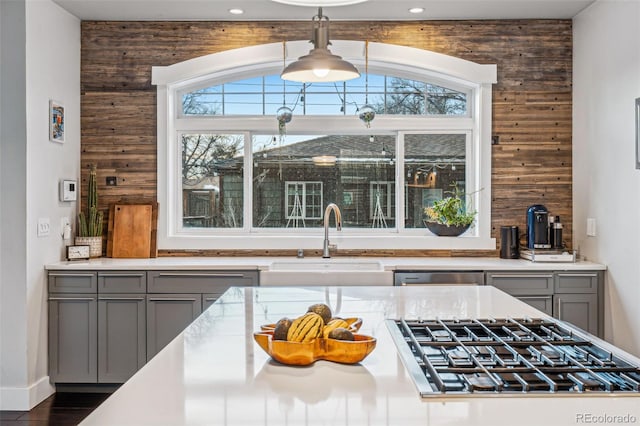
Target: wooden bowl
pixel 295 353
pixel 354 325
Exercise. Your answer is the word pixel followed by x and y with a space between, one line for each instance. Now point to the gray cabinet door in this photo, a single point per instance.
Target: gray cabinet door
pixel 580 310
pixel 167 316
pixel 542 303
pixel 209 299
pixel 73 338
pixel 122 336
pixel 522 283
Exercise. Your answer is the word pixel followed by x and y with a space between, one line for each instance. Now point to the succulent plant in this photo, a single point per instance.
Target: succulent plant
pixel 90 223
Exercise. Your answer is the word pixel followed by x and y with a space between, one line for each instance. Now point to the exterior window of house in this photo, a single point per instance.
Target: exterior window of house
pixel 303 173
pixel 433 164
pixel 212 180
pixel 231 176
pixel 265 94
pixel 303 201
pixel 382 204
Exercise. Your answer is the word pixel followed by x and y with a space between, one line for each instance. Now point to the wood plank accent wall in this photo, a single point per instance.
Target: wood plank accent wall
pixel 531 101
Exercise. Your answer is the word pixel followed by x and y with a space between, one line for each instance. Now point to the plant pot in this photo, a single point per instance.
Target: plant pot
pixel 94 243
pixel 446 230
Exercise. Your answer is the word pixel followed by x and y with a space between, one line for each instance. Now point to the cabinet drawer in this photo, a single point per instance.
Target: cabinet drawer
pixel 199 281
pixel 522 283
pixel 73 282
pixel 122 282
pixel 576 282
pixel 542 303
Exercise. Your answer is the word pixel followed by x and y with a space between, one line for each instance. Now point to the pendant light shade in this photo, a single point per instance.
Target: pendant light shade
pixel 320 65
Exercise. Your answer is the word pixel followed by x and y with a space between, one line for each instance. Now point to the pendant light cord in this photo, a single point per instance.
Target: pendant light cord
pixel 366 72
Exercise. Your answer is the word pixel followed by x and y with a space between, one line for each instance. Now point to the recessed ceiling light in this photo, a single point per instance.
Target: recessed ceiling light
pixel 416 10
pixel 319 3
pixel 236 11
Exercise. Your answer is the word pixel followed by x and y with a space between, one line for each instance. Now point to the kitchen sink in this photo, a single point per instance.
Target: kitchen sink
pixel 321 265
pixel 319 271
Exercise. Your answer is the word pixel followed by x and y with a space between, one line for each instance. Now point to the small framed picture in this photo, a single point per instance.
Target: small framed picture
pixel 56 122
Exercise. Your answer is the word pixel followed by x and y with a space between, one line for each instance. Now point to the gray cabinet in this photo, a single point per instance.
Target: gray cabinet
pixel 533 288
pixel 105 325
pixel 97 328
pixel 122 333
pixel 575 297
pixel 579 299
pixel 176 298
pixel 167 316
pixel 73 327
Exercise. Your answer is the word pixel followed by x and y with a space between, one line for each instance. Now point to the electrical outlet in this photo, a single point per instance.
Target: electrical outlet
pixel 65 228
pixel 43 227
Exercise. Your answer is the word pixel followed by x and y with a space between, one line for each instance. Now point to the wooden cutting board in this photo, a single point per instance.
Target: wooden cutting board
pixel 130 231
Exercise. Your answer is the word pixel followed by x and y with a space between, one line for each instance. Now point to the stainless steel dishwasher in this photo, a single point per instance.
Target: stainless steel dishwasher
pixel 438 277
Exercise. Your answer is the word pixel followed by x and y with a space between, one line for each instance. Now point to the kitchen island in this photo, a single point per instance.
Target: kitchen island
pixel 215 374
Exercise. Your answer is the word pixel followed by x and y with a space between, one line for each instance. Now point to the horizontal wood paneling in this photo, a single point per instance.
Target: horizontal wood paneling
pixel 532 101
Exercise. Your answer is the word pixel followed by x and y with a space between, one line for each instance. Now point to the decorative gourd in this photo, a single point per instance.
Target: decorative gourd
pixel 282 329
pixel 305 328
pixel 341 334
pixel 321 309
pixel 332 325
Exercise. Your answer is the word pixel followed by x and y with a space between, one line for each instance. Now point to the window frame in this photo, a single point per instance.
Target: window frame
pixel 304 184
pixel 265 59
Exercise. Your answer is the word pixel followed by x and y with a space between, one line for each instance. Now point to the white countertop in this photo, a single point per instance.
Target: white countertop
pixel 263 263
pixel 215 374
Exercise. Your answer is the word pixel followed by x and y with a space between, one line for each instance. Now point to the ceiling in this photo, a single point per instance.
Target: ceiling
pixel 257 10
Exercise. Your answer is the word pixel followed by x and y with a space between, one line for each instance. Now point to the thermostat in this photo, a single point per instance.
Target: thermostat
pixel 68 190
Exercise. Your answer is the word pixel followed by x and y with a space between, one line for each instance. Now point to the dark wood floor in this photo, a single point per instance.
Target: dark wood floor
pixel 60 409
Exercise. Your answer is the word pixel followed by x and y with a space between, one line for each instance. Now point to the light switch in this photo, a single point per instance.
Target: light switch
pixel 591 227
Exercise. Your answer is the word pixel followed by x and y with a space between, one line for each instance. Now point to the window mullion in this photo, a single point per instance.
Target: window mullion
pixel 400 182
pixel 247 192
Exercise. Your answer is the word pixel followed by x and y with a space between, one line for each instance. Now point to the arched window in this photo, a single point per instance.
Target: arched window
pixel 232 175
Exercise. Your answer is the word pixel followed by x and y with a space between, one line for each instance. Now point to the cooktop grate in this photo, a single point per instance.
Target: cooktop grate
pixel 508 356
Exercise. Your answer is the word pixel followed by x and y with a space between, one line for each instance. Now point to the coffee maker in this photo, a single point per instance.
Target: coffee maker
pixel 538 227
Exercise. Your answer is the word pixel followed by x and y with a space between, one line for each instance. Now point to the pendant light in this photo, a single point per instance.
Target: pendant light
pixel 320 65
pixel 367 113
pixel 284 113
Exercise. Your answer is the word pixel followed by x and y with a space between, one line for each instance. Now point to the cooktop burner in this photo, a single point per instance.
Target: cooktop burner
pixel 508 357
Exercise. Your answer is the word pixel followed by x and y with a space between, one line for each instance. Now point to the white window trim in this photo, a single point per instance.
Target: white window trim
pixel 264 59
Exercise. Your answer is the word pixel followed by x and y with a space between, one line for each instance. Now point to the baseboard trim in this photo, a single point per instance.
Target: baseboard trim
pixel 24 399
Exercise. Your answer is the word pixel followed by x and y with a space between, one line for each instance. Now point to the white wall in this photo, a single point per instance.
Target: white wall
pixel 606 72
pixel 52 72
pixel 13 161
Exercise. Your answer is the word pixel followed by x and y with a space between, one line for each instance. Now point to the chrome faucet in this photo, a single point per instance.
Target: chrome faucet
pixel 327 213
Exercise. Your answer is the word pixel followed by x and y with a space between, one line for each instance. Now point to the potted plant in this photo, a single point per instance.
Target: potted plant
pixel 449 217
pixel 90 223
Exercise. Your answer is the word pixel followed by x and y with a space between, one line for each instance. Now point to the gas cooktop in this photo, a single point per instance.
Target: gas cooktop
pixel 481 357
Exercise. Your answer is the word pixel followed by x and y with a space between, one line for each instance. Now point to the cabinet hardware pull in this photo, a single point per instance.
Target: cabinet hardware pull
pixel 116 275
pixel 74 298
pixel 520 276
pixel 537 297
pixel 195 274
pixel 211 299
pixel 88 275
pixel 172 299
pixel 559 308
pixel 137 299
pixel 578 275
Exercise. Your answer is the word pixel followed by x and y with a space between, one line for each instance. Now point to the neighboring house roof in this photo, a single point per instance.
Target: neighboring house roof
pixel 441 147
